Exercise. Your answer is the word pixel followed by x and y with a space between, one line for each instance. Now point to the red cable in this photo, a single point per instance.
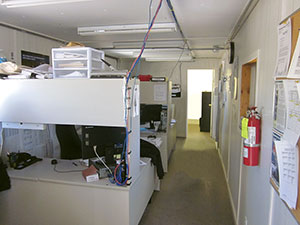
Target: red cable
pixel 146 38
pixel 141 52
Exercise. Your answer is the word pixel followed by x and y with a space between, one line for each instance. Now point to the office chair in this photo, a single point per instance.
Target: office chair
pixel 69 141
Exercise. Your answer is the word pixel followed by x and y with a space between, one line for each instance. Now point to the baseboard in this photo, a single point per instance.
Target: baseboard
pixel 217 146
pixel 228 187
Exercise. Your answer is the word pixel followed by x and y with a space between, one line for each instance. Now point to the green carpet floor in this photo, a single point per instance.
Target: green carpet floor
pixel 194 191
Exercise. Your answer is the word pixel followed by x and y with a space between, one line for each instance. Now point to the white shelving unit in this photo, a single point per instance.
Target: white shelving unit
pixel 76 62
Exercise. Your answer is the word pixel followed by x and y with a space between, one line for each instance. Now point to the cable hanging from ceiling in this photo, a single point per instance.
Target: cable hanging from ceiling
pixel 144 42
pixel 125 166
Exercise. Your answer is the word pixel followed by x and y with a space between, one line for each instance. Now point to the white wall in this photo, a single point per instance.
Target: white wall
pixel 13 41
pixel 198 82
pixel 179 76
pixel 252 195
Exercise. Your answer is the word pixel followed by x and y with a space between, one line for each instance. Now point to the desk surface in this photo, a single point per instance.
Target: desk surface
pixel 38 193
pixel 43 171
pixel 151 131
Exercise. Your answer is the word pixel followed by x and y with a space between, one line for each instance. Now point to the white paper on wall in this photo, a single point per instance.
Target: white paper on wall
pixel 279 120
pixel 287 156
pixel 274 170
pixel 292 130
pixel 11 140
pixel 284 49
pixel 294 71
pixel 36 142
pixel 160 92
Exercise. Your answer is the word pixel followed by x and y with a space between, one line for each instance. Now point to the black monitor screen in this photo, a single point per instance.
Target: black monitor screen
pixel 150 113
pixel 33 59
pixel 102 137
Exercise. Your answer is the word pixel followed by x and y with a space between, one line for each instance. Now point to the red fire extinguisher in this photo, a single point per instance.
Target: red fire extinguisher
pixel 252 143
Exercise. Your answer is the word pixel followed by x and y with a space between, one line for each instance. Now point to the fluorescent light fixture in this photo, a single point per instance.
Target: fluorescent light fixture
pixel 170 59
pixel 170 52
pixel 124 29
pixel 28 3
pixel 150 44
pixel 128 53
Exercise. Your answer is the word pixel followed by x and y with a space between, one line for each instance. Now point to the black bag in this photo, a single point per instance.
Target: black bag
pixel 150 150
pixel 4 178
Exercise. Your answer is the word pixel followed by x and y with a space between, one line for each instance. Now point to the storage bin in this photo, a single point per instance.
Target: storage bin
pixel 81 62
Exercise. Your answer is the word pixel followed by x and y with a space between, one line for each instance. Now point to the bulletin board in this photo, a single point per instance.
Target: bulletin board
pixel 277 134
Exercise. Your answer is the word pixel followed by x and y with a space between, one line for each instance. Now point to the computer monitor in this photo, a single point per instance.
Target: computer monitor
pixel 150 112
pixel 109 141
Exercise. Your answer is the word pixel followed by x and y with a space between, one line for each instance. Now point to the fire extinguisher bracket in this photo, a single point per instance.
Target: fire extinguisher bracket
pixel 251 145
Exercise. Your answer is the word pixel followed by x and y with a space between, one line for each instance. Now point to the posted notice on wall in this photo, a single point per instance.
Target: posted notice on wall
pixel 292 130
pixel 279 120
pixel 284 49
pixel 274 170
pixel 288 163
pixel 176 90
pixel 40 143
pixel 160 92
pixel 294 71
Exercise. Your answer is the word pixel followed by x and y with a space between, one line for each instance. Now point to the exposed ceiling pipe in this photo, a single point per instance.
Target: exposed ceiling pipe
pixel 242 19
pixel 215 48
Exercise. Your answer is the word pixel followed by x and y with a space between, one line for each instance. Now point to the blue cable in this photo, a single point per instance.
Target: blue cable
pixel 119 175
pixel 138 69
pixel 144 43
pixel 119 172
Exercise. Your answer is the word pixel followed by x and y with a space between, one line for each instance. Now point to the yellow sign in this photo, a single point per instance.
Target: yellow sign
pixel 245 128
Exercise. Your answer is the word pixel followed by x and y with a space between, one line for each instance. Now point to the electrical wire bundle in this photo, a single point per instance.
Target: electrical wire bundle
pixel 121 173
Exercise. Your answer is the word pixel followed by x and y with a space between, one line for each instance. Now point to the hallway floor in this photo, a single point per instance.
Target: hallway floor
pixel 194 191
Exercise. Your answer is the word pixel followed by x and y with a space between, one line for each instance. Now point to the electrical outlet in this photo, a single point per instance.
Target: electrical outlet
pixel 246 221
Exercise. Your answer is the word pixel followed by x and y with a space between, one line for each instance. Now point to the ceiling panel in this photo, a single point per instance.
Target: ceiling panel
pixel 208 18
pixel 205 23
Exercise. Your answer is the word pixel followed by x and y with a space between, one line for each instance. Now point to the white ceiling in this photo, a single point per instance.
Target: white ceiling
pixel 205 23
